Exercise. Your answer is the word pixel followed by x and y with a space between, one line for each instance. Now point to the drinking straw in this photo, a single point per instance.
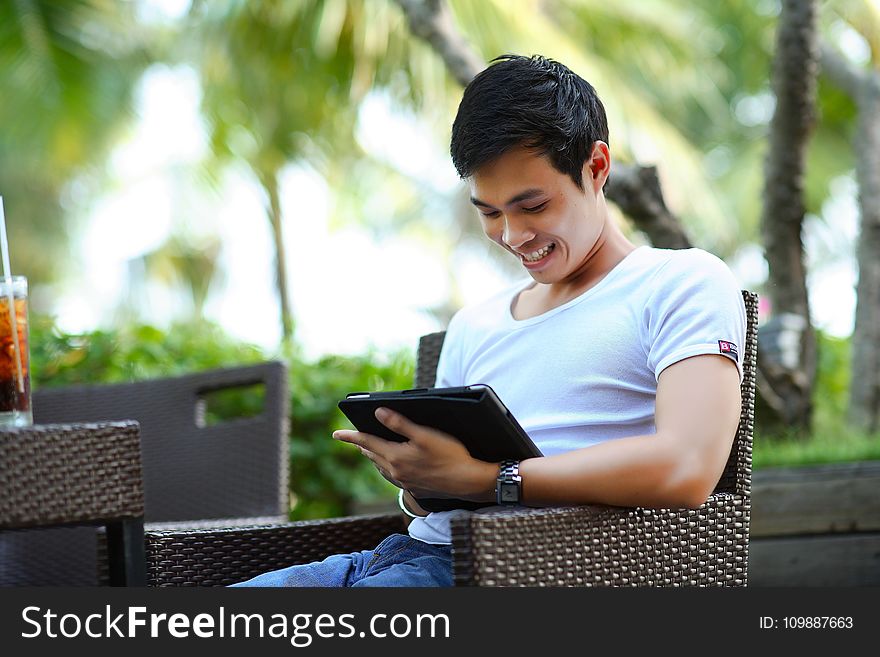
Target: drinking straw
pixel 10 296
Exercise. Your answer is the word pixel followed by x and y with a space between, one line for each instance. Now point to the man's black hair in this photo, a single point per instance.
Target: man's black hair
pixel 528 101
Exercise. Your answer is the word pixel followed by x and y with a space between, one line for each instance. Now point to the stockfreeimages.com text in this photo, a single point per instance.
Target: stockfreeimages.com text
pixel 300 629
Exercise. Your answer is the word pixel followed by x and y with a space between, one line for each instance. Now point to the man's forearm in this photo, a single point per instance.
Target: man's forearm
pixel 652 471
pixel 636 471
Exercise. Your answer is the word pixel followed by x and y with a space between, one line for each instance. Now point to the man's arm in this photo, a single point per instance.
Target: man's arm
pixel 696 415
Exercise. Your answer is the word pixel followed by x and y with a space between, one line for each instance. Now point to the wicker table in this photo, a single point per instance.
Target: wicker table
pixel 75 474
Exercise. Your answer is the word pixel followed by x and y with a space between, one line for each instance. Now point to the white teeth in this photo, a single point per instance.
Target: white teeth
pixel 539 254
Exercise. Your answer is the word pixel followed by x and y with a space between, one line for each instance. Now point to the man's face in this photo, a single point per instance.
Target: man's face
pixel 539 214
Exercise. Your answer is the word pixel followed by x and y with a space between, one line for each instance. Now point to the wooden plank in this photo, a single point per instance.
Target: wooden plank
pixel 837 498
pixel 830 560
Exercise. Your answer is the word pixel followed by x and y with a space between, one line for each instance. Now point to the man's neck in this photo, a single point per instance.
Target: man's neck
pixel 610 249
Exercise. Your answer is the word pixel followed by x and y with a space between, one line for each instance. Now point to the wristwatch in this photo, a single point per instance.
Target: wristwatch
pixel 508 486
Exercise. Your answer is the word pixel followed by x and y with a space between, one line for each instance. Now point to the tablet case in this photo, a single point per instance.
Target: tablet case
pixel 473 414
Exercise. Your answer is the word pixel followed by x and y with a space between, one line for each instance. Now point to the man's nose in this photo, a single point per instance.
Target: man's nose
pixel 515 233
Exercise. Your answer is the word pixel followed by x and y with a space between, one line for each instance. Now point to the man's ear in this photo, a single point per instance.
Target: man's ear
pixel 598 166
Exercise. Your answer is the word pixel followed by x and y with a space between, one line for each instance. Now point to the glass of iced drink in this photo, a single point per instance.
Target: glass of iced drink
pixel 15 380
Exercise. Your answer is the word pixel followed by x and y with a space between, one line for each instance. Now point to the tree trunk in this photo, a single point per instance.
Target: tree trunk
pixel 865 384
pixel 864 88
pixel 430 20
pixel 270 184
pixel 789 365
pixel 864 408
pixel 636 191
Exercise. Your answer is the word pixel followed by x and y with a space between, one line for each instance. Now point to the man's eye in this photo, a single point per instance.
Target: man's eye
pixel 490 215
pixel 536 208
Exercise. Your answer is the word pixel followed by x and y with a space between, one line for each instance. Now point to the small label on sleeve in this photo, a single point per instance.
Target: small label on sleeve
pixel 728 349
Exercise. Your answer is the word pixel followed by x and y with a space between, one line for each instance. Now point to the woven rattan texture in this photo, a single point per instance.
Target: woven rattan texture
pixel 30 557
pixel 427 358
pixel 62 474
pixel 233 469
pixel 737 475
pixel 604 546
pixel 223 557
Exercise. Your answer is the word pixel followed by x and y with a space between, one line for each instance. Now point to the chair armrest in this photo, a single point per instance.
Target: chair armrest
pixel 223 556
pixel 214 523
pixel 604 546
pixel 558 546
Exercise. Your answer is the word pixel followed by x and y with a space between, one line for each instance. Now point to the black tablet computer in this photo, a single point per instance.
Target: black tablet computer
pixel 473 414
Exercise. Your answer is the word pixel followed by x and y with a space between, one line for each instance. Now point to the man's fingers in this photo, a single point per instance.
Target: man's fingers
pixel 370 442
pixel 381 464
pixel 398 423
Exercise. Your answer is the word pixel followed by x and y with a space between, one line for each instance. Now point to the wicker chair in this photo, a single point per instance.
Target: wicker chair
pixel 195 474
pixel 72 475
pixel 192 470
pixel 560 546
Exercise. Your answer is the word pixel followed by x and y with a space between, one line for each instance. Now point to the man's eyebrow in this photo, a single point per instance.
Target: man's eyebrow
pixel 522 196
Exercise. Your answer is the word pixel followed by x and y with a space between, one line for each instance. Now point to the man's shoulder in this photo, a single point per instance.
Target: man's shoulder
pixel 690 257
pixel 673 265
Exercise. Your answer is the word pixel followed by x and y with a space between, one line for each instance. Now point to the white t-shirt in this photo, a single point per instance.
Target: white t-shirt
pixel 586 371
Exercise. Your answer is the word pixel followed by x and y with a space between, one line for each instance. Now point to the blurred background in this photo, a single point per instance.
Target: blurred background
pixel 196 184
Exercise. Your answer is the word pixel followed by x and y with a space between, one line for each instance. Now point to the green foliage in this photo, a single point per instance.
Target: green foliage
pixel 831 440
pixel 831 394
pixel 326 477
pixel 130 353
pixel 68 71
pixel 828 444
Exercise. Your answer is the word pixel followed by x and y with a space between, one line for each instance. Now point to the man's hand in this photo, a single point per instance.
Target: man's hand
pixel 411 503
pixel 431 463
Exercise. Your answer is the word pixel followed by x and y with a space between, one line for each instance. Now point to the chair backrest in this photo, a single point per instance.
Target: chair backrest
pixel 70 475
pixel 236 468
pixel 737 475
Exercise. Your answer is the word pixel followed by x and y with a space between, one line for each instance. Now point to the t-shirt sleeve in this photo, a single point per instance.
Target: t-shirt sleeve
pixel 449 367
pixel 695 307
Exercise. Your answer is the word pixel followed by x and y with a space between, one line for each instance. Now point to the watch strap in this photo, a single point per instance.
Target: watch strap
pixel 508 485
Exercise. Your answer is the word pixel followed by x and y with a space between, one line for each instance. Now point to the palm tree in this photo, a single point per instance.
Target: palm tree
pixel 282 82
pixel 67 70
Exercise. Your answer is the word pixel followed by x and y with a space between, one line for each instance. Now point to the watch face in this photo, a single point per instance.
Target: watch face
pixel 509 493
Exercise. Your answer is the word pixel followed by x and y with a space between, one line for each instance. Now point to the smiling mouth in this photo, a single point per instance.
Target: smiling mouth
pixel 540 254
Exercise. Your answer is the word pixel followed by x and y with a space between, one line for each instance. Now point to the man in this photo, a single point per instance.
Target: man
pixel 620 362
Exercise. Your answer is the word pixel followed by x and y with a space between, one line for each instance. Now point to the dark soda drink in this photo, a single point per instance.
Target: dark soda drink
pixel 15 380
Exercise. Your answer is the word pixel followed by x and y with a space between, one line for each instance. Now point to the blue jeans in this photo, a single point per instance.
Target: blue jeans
pixel 397 561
